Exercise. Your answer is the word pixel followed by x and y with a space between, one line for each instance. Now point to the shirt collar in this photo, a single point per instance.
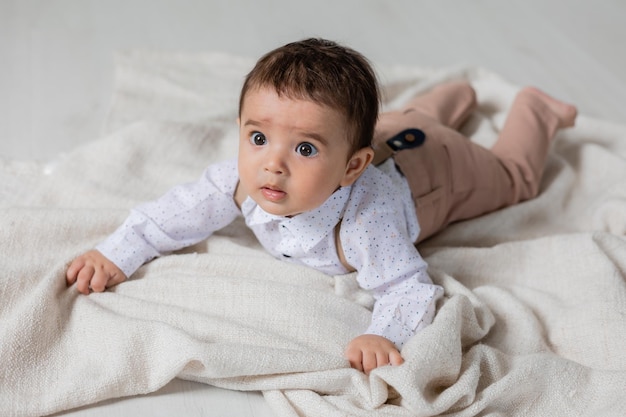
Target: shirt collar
pixel 316 223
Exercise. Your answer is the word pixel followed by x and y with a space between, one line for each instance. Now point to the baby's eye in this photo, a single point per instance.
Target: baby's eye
pixel 306 149
pixel 258 139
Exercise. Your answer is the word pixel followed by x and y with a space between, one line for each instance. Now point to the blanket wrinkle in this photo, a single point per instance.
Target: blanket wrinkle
pixel 532 322
pixel 614 249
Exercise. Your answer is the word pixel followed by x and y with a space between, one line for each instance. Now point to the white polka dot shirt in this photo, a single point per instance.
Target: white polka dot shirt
pixel 377 231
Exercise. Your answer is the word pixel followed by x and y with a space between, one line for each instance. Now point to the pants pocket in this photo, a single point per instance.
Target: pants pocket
pixel 431 213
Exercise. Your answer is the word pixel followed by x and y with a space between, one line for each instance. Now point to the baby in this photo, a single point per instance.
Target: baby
pixel 322 183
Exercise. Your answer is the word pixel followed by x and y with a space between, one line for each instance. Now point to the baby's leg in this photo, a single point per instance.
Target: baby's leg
pixel 523 143
pixel 454 179
pixel 450 103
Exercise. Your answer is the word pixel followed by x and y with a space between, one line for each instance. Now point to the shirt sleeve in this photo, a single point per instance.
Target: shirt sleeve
pixel 403 308
pixel 405 297
pixel 376 242
pixel 185 215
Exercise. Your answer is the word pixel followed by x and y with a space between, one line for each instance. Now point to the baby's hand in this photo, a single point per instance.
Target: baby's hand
pixel 93 271
pixel 369 351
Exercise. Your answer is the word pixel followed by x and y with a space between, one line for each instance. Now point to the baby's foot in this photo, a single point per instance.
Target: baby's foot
pixel 566 113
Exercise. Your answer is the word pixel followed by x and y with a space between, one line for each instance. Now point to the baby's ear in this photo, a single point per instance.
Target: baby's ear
pixel 356 165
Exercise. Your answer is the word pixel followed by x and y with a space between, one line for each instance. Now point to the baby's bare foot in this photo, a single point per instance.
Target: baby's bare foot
pixel 566 113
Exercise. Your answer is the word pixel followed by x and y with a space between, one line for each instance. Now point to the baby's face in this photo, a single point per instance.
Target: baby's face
pixel 293 154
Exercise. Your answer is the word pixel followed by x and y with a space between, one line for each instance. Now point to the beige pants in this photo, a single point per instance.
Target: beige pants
pixel 452 178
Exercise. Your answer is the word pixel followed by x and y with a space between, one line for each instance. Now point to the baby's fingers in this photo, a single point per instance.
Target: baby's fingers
pixel 370 361
pixel 83 280
pixel 395 358
pixel 99 280
pixel 72 271
pixel 355 357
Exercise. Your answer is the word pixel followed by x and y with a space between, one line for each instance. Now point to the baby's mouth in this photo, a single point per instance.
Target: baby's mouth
pixel 272 194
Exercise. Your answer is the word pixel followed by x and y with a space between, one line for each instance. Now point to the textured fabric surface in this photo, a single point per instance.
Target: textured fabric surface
pixel 533 321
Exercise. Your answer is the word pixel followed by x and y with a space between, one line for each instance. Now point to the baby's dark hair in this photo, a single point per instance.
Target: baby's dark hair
pixel 326 73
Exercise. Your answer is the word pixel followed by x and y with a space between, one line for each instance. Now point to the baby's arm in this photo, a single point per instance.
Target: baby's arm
pixel 369 351
pixel 185 215
pixel 390 266
pixel 93 271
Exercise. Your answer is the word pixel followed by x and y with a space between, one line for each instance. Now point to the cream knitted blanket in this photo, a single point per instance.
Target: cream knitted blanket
pixel 533 322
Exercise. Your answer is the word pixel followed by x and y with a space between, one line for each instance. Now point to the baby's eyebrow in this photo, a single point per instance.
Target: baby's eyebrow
pixel 251 122
pixel 316 136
